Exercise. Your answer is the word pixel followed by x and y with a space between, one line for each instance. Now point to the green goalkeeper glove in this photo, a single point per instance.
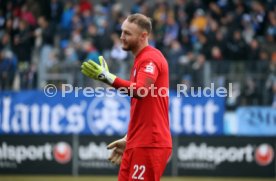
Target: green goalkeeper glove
pixel 98 72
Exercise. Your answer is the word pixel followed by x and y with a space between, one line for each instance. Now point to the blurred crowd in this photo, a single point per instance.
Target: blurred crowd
pixel 204 41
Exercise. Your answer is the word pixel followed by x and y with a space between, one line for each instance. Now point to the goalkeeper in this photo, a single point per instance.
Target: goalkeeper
pixel 143 153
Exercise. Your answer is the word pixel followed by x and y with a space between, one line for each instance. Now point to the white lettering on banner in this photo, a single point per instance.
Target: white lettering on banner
pixel 210 110
pixel 44 118
pixel 258 121
pixel 20 153
pixel 6 115
pixel 57 115
pixel 193 116
pixel 188 113
pixel 94 151
pixel 198 119
pixel 174 116
pixel 75 119
pixel 215 154
pixel 35 118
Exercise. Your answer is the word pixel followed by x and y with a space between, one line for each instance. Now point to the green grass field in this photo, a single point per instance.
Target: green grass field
pixel 101 178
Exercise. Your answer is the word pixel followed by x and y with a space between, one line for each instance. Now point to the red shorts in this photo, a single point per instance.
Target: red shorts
pixel 146 164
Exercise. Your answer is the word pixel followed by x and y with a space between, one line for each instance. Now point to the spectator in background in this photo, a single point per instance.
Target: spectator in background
pixel 85 5
pixel 215 11
pixel 250 94
pixel 23 44
pixel 137 6
pixel 66 17
pixel 253 56
pixel 5 41
pixel 87 19
pixel 248 31
pixel 118 57
pixel 8 63
pixel 179 7
pixel 70 54
pixel 90 51
pixel 272 23
pixel 274 95
pixel 92 34
pixel 45 33
pixel 118 17
pixel 263 66
pixel 199 22
pixel 27 15
pixel 198 71
pixel 192 7
pixel 174 55
pixel 271 80
pixel 56 9
pixel 10 28
pixel 77 42
pixel 259 17
pixel 185 68
pixel 45 43
pixel 220 30
pixel 171 31
pixel 236 47
pixel 104 31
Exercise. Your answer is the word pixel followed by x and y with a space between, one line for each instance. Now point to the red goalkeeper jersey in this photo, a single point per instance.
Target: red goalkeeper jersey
pixel 149 119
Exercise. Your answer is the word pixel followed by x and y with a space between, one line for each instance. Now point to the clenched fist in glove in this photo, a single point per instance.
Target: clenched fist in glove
pixel 98 72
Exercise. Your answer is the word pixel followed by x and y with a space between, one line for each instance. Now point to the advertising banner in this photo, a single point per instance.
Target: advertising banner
pixel 35 154
pixel 196 115
pixel 256 121
pixel 87 155
pixel 93 156
pixel 251 121
pixel 32 112
pixel 226 156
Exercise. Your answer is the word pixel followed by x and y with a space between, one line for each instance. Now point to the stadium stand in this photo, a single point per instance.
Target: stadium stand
pixel 212 41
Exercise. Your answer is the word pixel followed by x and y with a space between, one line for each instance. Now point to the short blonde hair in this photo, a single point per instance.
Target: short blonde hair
pixel 141 20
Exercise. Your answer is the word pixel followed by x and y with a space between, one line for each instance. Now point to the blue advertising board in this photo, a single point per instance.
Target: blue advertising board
pixel 196 115
pixel 32 112
pixel 251 121
pixel 256 121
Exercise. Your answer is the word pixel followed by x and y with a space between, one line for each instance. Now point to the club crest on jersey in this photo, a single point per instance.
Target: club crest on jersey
pixel 150 68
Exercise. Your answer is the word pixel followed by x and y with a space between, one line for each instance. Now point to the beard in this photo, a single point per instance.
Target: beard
pixel 130 46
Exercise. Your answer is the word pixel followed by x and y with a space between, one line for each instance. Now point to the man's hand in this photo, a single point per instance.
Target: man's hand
pixel 98 72
pixel 118 147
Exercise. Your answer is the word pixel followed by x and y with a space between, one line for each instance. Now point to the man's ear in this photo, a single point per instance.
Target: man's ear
pixel 144 35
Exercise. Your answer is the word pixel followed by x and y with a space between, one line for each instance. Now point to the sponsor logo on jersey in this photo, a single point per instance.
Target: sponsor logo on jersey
pixel 150 68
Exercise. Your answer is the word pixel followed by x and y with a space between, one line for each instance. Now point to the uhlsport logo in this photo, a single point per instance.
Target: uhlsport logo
pixel 16 154
pixel 62 152
pixel 108 115
pixel 264 154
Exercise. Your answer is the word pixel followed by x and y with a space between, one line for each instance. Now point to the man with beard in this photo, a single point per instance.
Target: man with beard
pixel 143 153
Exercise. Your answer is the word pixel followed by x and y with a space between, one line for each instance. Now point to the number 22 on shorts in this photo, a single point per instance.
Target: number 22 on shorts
pixel 138 172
